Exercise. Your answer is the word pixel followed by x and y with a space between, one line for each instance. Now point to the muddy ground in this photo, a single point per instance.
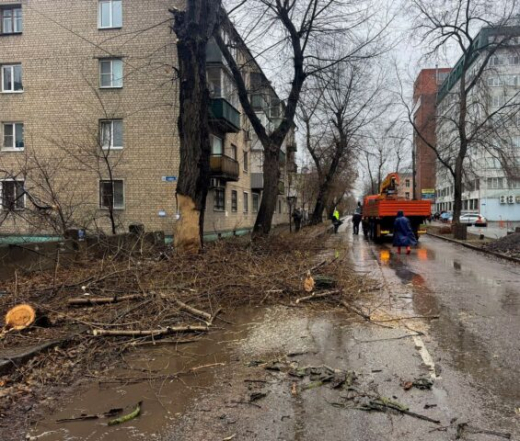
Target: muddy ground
pixel 289 373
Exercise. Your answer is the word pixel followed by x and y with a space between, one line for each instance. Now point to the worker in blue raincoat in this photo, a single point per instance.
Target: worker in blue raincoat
pixel 403 233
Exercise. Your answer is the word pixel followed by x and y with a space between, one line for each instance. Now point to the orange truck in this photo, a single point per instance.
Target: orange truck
pixel 380 210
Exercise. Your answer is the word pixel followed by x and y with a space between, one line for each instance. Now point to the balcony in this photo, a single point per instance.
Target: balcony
pixel 281 187
pixel 257 181
pixel 224 167
pixel 224 116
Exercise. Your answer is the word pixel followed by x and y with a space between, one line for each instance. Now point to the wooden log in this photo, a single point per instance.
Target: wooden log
pixel 90 301
pixel 20 317
pixel 194 311
pixel 317 296
pixel 148 332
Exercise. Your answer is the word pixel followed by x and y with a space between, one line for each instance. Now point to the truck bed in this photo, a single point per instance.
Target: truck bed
pixel 390 207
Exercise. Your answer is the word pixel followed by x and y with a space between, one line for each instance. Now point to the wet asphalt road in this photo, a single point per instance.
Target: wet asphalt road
pixel 471 353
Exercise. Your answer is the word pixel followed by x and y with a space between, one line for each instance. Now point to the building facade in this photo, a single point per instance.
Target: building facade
pixel 424 100
pixel 491 181
pixel 88 121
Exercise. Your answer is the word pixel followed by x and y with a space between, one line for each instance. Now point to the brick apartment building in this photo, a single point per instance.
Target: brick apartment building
pixel 424 99
pixel 88 118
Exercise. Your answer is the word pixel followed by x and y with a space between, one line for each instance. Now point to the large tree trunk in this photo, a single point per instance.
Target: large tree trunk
pixel 193 27
pixel 267 208
pixel 321 201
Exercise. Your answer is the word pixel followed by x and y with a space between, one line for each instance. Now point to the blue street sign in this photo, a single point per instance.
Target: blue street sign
pixel 169 178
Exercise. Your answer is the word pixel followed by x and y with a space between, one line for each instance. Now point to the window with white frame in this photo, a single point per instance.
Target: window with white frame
pixel 13 137
pixel 256 202
pixel 246 202
pixel 111 132
pixel 496 61
pixel 11 21
pixel 493 81
pixel 498 101
pixel 495 183
pixel 219 199
pixel 110 14
pixel 217 146
pixel 514 59
pixel 112 194
pixel 234 201
pixel 13 194
pixel 12 78
pixel 111 73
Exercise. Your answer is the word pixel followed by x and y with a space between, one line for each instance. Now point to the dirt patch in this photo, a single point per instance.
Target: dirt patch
pixel 508 245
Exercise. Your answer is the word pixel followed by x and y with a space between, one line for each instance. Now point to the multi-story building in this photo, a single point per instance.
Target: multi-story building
pixel 405 188
pixel 424 100
pixel 88 120
pixel 491 185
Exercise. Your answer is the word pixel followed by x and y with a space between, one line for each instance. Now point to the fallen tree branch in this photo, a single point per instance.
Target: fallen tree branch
pixel 147 332
pixel 431 317
pixel 90 301
pixel 383 406
pixel 197 312
pixel 355 310
pixel 317 296
pixel 134 414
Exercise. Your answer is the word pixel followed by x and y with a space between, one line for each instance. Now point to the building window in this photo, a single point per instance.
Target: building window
pixel 495 183
pixel 279 206
pixel 498 101
pixel 111 194
pixel 256 202
pixel 111 73
pixel 220 199
pixel 407 195
pixel 234 201
pixel 246 161
pixel 234 152
pixel 246 202
pixel 515 141
pixel 13 137
pixel 216 145
pixel 12 78
pixel 13 195
pixel 111 134
pixel 496 61
pixel 514 59
pixel 407 183
pixel 110 14
pixel 11 21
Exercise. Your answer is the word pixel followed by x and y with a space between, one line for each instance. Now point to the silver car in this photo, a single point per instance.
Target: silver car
pixel 473 219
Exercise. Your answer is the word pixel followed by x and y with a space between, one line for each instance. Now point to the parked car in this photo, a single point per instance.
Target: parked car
pixel 475 219
pixel 446 217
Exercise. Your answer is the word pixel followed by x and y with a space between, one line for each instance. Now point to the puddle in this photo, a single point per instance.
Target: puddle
pixel 163 400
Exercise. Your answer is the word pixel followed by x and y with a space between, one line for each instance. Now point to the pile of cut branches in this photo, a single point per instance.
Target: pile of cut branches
pixel 98 308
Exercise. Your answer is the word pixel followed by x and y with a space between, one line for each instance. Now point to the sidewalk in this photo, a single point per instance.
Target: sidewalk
pixel 493 231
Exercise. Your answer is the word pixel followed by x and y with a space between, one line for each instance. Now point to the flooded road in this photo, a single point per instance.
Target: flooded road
pixel 255 385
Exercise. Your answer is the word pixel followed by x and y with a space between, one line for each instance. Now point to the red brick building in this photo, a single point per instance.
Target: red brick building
pixel 424 98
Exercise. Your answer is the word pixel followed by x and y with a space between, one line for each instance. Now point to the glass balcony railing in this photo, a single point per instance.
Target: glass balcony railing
pixel 224 115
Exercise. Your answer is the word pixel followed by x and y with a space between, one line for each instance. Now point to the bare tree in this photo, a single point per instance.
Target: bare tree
pixel 194 26
pixel 298 31
pixel 466 123
pixel 349 100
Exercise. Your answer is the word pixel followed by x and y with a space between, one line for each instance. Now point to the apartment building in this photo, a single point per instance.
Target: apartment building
pixel 88 120
pixel 491 181
pixel 424 100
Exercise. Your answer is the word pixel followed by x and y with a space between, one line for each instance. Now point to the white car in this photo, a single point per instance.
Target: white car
pixel 473 219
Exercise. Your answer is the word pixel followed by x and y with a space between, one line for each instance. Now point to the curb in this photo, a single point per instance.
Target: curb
pixel 475 248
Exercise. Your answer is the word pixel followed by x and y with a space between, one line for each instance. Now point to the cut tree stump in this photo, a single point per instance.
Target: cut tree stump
pixel 20 317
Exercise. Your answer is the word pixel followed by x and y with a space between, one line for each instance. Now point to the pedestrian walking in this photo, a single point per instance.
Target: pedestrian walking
pixel 297 217
pixel 335 220
pixel 403 233
pixel 356 219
